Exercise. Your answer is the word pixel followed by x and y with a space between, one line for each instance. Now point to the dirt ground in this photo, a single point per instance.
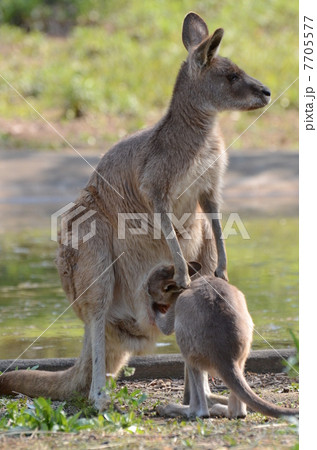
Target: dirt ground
pixel 254 432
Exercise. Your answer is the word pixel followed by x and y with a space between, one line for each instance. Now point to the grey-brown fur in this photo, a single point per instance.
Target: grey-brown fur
pixel 213 329
pixel 146 173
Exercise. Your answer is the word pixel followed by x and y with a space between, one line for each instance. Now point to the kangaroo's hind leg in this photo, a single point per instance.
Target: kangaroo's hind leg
pixel 211 398
pixel 100 297
pixel 236 408
pixel 198 404
pixel 87 275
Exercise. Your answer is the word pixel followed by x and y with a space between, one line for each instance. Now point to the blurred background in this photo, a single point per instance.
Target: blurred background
pixel 83 74
pixel 98 69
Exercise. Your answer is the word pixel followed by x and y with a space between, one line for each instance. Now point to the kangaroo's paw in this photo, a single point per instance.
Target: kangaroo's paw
pixel 221 273
pixel 182 280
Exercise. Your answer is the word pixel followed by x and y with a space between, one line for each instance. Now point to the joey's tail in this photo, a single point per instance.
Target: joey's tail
pixel 235 380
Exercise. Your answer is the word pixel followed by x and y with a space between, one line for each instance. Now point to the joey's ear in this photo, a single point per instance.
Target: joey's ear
pixel 193 268
pixel 195 30
pixel 171 286
pixel 208 49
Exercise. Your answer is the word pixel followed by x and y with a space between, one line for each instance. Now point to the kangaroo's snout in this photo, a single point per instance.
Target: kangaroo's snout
pixel 266 91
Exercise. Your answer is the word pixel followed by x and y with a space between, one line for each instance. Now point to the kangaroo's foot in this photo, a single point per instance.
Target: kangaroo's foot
pixel 218 411
pixel 175 410
pixel 236 408
pixel 224 411
pixel 214 399
pixel 100 399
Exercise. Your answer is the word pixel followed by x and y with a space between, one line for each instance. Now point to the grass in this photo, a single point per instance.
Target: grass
pixel 114 71
pixel 39 414
pixel 292 365
pixel 75 424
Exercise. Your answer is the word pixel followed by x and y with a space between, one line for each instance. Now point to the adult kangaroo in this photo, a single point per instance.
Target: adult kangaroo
pixel 173 168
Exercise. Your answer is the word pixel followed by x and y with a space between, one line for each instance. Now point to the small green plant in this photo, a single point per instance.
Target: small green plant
pixel 40 415
pixel 294 387
pixel 292 364
pixel 202 428
pixel 128 371
pixel 188 443
pixel 126 400
pixel 84 405
pixel 33 367
pixel 230 440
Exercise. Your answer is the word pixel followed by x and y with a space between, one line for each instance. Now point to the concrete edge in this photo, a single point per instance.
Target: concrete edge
pixel 159 366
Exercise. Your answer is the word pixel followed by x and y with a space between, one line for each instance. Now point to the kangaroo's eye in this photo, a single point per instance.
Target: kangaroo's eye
pixel 233 77
pixel 169 287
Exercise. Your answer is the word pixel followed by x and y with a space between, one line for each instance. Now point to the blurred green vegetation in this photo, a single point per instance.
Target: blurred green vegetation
pixel 104 59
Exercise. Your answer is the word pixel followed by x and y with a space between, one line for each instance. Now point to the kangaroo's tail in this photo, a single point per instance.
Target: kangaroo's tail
pixel 235 380
pixel 39 383
pixel 55 385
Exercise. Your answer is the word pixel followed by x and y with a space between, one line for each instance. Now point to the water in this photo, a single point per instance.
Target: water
pixel 264 267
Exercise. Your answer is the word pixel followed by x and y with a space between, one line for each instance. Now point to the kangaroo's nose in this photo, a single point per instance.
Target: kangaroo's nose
pixel 266 91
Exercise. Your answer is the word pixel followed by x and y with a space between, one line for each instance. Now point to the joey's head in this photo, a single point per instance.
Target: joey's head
pixel 210 82
pixel 161 287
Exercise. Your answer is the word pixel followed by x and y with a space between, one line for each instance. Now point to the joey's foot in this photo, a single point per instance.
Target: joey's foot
pixel 218 410
pixel 176 410
pixel 172 410
pixel 166 411
pixel 182 280
pixel 213 399
pixel 221 273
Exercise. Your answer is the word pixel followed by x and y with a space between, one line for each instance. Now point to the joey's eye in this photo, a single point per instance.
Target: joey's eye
pixel 172 288
pixel 169 287
pixel 233 77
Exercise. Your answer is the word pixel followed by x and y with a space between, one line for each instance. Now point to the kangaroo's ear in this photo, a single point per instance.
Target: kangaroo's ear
pixel 208 49
pixel 193 268
pixel 195 30
pixel 171 286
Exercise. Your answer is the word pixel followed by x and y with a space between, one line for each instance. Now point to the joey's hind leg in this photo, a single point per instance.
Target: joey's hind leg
pixel 186 395
pixel 211 398
pixel 235 409
pixel 198 403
